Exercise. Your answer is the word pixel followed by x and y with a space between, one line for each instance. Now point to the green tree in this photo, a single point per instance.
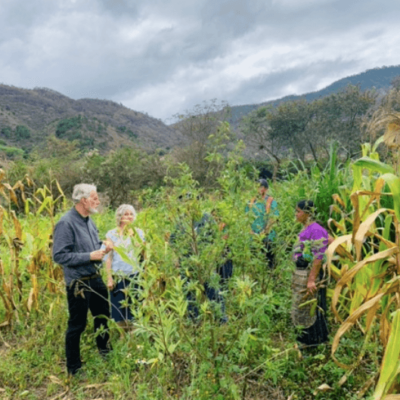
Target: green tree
pixel 340 117
pixel 22 132
pixel 204 130
pixel 123 171
pixel 6 131
pixel 256 128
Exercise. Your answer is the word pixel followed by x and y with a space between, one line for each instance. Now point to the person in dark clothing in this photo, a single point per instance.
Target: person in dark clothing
pixel 76 248
pixel 202 236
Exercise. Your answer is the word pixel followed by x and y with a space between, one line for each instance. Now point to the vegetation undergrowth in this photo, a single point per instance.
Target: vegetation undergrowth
pixel 252 355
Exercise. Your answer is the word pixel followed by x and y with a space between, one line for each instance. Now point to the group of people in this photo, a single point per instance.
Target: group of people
pixel 79 250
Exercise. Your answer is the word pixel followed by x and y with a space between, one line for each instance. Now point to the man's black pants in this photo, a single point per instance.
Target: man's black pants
pixel 95 299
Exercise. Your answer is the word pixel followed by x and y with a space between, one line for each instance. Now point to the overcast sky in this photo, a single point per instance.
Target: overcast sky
pixel 165 56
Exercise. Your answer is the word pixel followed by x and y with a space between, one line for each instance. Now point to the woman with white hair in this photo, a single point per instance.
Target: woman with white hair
pixel 121 274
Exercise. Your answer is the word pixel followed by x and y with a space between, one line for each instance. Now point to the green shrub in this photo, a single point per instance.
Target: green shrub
pixel 22 132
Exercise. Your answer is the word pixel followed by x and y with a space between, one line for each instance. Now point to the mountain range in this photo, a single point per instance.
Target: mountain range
pixel 29 116
pixel 377 78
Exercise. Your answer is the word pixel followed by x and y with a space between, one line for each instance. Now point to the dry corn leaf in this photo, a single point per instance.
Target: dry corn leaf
pixel 324 388
pixel 333 246
pixel 60 395
pixel 363 229
pixel 95 385
pixel 348 323
pixel 348 276
pixel 366 386
pixel 17 226
pixel 339 226
pixel 338 199
pixel 56 380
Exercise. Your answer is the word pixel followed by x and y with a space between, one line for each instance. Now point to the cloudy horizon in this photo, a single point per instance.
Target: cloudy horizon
pixel 163 58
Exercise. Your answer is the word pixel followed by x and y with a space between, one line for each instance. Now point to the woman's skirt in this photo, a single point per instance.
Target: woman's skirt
pixel 308 312
pixel 121 298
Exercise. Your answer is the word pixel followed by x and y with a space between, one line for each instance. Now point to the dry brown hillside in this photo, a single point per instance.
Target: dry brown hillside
pixel 27 117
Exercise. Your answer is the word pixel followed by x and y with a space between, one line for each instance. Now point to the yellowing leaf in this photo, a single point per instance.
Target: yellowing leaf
pixel 390 363
pixel 363 229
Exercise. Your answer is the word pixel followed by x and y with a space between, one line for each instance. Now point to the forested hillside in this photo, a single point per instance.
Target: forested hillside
pixel 28 117
pixel 377 78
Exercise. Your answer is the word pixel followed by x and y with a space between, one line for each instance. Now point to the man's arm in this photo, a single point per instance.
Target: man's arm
pixel 63 247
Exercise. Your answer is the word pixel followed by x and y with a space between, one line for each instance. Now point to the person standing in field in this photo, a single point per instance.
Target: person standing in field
pixel 308 295
pixel 122 278
pixel 264 210
pixel 76 248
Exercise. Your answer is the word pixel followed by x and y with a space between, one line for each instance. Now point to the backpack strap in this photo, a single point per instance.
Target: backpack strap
pixel 268 203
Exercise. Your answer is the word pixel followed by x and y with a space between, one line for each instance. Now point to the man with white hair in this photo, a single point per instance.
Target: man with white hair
pixel 76 246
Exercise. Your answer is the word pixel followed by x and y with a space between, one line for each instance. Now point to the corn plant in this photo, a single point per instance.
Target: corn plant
pixel 365 261
pixel 25 234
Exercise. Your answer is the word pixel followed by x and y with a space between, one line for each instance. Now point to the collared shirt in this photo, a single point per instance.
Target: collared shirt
pixel 75 237
pixel 126 244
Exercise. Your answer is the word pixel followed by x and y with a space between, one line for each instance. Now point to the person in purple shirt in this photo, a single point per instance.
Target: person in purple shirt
pixel 308 255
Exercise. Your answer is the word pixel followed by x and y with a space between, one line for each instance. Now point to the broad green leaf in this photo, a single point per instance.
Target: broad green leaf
pixel 394 183
pixel 373 165
pixel 390 363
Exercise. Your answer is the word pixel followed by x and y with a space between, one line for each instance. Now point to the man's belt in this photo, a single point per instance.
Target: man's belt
pixel 80 290
pixel 87 278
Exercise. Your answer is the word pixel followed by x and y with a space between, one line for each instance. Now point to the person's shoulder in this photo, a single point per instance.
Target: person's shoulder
pixel 317 230
pixel 111 233
pixel 66 218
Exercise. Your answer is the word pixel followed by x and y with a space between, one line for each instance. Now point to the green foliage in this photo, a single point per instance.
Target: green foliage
pixel 253 355
pixel 6 131
pixel 22 132
pixel 122 172
pixel 11 152
pixel 68 128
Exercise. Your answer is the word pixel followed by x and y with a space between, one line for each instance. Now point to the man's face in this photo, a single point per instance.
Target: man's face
pixel 91 203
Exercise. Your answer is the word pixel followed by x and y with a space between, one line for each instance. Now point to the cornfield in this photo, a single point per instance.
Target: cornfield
pixel 26 227
pixel 365 261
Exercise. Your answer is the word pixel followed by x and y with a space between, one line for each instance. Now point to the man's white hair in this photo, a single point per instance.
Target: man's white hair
pixel 82 191
pixel 121 210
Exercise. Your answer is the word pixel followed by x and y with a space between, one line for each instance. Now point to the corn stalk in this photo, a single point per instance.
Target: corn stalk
pixel 365 261
pixel 26 246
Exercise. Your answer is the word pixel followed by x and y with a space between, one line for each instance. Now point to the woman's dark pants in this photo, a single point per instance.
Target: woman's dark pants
pixel 95 299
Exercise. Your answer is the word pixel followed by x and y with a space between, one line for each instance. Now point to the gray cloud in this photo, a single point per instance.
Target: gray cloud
pixel 164 57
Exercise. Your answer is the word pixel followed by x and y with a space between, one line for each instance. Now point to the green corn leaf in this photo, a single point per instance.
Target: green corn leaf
pixel 394 183
pixel 373 165
pixel 390 362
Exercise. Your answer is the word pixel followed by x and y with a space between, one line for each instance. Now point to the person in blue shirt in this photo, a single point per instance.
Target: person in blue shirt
pixel 122 276
pixel 264 210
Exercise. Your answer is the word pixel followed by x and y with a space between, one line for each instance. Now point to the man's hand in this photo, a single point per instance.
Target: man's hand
pixel 97 255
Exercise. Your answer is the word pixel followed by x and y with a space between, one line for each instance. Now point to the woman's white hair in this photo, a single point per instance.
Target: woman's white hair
pixel 121 210
pixel 82 191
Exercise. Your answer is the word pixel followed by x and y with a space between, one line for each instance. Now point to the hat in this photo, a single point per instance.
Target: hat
pixel 263 183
